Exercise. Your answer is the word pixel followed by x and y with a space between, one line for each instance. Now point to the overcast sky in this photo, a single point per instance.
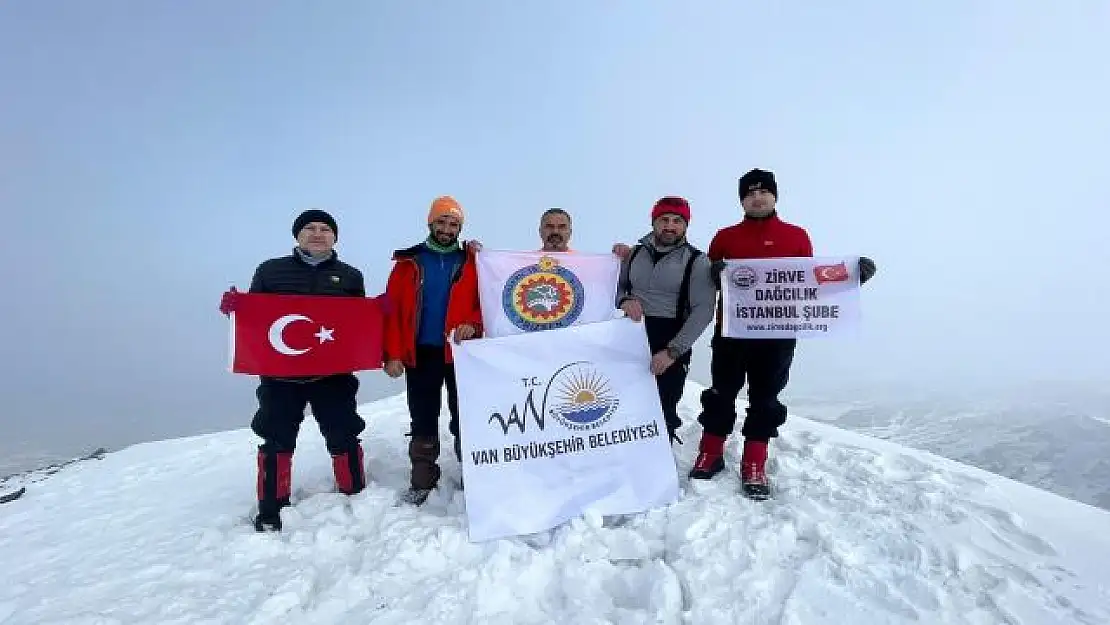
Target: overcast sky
pixel 151 154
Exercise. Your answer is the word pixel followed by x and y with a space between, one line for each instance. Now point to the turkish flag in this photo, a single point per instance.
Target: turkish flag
pixel 305 335
pixel 831 273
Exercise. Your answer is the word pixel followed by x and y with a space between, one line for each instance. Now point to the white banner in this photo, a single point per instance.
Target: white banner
pixel 529 291
pixel 790 297
pixel 558 423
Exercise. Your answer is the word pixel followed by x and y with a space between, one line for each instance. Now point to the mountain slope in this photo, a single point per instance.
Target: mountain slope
pixel 861 531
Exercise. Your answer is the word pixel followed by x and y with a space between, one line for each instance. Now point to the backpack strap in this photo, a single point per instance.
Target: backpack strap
pixel 627 285
pixel 632 256
pixel 684 289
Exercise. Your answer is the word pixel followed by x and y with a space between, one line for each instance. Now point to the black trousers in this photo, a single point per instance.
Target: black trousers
pixel 764 364
pixel 424 384
pixel 660 331
pixel 281 406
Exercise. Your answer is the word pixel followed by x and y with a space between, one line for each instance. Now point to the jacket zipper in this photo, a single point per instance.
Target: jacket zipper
pixel 420 290
pixel 419 296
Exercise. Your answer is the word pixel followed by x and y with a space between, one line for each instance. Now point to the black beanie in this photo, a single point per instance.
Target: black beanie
pixel 311 215
pixel 758 179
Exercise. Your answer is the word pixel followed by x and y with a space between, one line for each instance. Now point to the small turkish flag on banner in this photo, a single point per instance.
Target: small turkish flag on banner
pixel 831 273
pixel 305 335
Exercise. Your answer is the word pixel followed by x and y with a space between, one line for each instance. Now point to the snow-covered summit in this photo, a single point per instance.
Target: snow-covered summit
pixel 861 531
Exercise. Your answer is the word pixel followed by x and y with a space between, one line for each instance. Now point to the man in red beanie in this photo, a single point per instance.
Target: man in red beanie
pixel 313 268
pixel 666 281
pixel 763 363
pixel 432 293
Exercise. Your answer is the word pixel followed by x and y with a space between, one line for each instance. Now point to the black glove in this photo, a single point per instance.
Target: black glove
pixel 715 270
pixel 867 269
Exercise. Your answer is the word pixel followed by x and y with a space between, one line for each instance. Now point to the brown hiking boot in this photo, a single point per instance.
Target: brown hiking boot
pixel 424 454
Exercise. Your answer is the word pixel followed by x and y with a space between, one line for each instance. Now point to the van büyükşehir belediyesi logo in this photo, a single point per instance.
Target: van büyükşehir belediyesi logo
pixel 577 395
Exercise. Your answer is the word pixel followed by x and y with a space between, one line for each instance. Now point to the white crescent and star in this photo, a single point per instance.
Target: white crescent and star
pixel 277 329
pixel 832 274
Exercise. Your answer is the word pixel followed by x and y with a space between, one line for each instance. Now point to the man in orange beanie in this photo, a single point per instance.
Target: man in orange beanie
pixel 433 291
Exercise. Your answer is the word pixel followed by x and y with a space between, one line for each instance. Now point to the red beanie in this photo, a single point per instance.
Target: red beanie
pixel 672 204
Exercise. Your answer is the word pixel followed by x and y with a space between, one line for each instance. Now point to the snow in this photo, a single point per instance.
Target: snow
pixel 860 530
pixel 1054 438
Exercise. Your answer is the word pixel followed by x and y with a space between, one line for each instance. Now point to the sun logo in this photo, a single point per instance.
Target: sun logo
pixel 543 296
pixel 583 397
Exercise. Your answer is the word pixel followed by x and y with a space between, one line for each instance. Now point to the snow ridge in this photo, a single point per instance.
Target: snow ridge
pixel 860 530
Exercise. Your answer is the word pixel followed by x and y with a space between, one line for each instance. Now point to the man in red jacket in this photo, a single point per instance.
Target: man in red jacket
pixel 432 292
pixel 763 363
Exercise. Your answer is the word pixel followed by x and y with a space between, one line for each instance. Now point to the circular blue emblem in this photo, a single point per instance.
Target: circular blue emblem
pixel 544 296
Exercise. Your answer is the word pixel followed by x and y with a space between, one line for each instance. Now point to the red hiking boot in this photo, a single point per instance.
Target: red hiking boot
pixel 275 480
pixel 711 457
pixel 350 472
pixel 753 474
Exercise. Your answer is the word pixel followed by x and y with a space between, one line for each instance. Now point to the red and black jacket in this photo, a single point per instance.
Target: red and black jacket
pixel 403 291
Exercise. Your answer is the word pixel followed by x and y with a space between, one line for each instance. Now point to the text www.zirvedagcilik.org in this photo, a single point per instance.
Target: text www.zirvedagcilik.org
pixel 788 327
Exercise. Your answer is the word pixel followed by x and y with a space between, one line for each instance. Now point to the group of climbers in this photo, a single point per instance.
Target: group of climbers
pixel 431 298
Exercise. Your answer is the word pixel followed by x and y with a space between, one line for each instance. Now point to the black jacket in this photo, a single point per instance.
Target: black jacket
pixel 290 275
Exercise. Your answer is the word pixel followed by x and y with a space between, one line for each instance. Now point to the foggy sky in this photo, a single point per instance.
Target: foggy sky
pixel 152 154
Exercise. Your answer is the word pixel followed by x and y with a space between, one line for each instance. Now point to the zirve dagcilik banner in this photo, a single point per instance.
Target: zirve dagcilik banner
pixel 303 335
pixel 790 297
pixel 528 291
pixel 555 424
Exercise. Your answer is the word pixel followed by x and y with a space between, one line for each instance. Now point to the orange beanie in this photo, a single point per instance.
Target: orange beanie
pixel 445 205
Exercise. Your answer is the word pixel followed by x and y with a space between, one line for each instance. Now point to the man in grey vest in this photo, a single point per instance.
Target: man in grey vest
pixel 667 282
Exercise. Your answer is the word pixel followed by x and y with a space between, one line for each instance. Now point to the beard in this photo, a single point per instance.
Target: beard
pixel 668 238
pixel 444 238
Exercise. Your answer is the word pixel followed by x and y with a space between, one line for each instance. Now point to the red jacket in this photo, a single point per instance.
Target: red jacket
pixel 760 238
pixel 403 292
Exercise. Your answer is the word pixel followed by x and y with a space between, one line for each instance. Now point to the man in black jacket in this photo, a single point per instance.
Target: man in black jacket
pixel 312 269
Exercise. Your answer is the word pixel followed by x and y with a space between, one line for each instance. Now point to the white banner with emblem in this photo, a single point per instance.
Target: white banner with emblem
pixel 558 423
pixel 528 291
pixel 790 297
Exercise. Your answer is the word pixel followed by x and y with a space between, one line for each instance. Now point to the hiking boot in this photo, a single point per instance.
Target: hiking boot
pixel 268 518
pixel 711 457
pixel 350 472
pixel 753 474
pixel 423 454
pixel 275 477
